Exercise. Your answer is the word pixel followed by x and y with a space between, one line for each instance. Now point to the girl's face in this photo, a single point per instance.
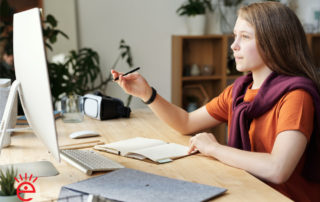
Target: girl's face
pixel 245 47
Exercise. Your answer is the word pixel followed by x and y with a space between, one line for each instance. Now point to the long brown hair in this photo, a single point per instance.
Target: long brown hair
pixel 281 40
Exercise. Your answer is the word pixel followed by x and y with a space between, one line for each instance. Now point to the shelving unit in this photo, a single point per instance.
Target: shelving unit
pixel 314 45
pixel 212 50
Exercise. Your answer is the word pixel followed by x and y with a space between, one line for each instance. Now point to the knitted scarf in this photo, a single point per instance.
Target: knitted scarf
pixel 271 91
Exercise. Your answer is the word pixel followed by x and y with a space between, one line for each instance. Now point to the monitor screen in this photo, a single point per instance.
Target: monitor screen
pixel 32 73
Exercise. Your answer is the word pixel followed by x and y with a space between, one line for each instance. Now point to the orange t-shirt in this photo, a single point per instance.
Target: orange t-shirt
pixel 294 111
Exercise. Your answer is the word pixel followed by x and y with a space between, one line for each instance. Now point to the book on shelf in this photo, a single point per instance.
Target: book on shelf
pixel 22 120
pixel 146 149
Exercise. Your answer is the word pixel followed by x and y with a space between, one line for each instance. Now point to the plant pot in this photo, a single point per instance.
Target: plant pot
pixel 196 24
pixel 213 22
pixel 13 198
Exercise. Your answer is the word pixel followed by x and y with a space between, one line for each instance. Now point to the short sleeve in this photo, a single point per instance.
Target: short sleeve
pixel 219 106
pixel 296 113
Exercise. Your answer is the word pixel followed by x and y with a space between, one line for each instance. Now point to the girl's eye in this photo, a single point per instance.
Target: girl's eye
pixel 245 36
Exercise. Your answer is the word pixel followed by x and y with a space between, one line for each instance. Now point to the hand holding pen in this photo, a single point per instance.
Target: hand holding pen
pixel 129 72
pixel 133 84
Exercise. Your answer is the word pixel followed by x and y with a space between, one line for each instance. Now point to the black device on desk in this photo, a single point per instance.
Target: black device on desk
pixel 104 107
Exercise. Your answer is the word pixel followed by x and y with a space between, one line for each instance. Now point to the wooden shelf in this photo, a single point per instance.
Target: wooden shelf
pixel 231 77
pixel 314 45
pixel 200 78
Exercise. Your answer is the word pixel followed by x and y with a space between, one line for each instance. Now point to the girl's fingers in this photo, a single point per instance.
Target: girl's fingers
pixel 191 148
pixel 131 76
pixel 113 71
pixel 121 81
pixel 115 74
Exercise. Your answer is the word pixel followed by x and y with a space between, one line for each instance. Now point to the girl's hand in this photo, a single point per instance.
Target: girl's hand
pixel 204 142
pixel 133 84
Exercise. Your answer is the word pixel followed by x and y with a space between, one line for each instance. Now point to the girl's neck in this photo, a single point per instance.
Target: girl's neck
pixel 259 76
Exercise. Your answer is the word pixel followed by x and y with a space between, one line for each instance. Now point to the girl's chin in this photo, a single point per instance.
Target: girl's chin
pixel 241 69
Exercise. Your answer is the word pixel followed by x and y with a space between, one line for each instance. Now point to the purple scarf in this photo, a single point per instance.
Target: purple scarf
pixel 271 91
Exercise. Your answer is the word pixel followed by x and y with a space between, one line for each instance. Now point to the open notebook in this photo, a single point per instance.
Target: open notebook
pixel 146 148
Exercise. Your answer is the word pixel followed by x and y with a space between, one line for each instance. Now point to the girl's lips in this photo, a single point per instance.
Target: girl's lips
pixel 237 56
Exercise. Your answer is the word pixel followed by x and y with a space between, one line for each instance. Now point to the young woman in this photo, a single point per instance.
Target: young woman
pixel 272 113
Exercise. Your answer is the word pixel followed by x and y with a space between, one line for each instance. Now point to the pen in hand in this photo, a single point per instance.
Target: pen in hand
pixel 136 69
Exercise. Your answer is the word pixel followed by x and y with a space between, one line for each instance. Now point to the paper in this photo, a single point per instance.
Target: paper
pixel 132 144
pixel 142 148
pixel 164 151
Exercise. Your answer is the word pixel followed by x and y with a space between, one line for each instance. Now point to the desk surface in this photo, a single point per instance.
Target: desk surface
pixel 196 168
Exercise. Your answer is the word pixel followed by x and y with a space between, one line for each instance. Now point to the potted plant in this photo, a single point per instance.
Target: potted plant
pixel 8 192
pixel 195 11
pixel 80 72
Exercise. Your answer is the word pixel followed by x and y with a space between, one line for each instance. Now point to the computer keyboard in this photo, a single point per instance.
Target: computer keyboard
pixel 89 161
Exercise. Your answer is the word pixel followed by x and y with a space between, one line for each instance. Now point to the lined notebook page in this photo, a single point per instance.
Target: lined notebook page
pixel 164 151
pixel 133 144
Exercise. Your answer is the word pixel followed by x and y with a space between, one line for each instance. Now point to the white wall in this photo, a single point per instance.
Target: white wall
pixel 306 10
pixel 146 25
pixel 65 13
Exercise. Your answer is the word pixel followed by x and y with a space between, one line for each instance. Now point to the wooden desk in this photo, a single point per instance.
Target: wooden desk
pixel 197 168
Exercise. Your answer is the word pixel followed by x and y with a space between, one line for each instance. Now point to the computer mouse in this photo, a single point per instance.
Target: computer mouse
pixel 83 134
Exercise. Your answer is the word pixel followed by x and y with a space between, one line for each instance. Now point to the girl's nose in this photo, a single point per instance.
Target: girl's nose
pixel 235 46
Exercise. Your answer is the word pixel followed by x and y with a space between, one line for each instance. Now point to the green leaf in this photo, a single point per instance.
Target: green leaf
pixel 49 46
pixel 7 181
pixel 53 39
pixel 51 20
pixel 50 32
pixel 62 33
pixel 194 7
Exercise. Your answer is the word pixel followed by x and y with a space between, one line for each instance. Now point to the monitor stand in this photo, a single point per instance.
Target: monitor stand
pixel 37 169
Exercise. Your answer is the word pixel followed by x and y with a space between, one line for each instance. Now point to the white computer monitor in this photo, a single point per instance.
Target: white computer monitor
pixel 32 72
pixel 32 78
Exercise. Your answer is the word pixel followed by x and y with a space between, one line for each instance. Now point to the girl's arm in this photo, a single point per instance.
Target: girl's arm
pixel 275 167
pixel 180 120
